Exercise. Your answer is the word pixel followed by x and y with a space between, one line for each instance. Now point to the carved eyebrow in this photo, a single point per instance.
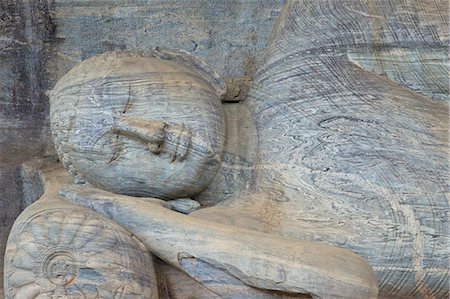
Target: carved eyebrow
pixel 128 103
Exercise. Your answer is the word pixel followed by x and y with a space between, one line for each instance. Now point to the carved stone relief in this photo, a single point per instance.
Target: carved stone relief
pixel 157 123
pixel 332 186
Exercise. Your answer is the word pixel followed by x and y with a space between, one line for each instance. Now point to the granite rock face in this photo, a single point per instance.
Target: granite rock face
pixel 41 40
pixel 24 30
pixel 228 35
pixel 342 140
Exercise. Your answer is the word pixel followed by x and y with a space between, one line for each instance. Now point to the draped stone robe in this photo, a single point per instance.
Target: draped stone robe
pixel 352 137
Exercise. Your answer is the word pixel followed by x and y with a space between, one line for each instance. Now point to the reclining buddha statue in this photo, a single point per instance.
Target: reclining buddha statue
pixel 328 181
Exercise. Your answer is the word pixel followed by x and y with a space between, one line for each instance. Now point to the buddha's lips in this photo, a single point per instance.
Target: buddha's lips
pixel 179 149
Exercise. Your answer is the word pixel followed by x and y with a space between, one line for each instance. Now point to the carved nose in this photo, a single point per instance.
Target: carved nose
pixel 149 132
pixel 159 137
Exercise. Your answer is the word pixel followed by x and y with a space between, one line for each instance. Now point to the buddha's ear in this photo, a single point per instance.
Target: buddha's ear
pixel 195 63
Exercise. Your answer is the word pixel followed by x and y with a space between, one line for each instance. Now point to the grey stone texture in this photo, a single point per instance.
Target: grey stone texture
pixel 328 147
pixel 41 40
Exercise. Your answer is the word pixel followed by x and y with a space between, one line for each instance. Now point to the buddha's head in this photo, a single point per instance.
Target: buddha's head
pixel 141 125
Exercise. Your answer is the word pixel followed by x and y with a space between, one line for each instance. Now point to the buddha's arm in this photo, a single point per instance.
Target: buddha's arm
pixel 259 260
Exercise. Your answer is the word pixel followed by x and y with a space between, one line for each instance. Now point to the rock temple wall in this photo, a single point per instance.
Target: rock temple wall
pixel 40 40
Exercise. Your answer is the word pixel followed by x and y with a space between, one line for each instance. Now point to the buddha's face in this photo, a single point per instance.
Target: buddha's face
pixel 138 126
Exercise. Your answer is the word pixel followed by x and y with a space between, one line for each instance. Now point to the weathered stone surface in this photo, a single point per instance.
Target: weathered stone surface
pixel 57 249
pixel 325 149
pixel 41 40
pixel 153 126
pixel 25 28
pixel 348 157
pixel 237 88
pixel 228 35
pixel 109 116
pixel 259 260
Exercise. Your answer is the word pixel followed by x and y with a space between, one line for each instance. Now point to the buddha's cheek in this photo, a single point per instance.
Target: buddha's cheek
pixel 125 166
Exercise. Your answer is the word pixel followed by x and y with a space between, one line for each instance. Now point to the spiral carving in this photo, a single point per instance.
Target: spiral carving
pixel 73 253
